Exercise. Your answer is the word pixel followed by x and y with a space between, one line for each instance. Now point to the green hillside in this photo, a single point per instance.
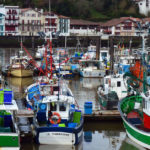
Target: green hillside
pixel 95 10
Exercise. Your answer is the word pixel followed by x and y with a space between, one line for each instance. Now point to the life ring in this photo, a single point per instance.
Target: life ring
pixel 52 117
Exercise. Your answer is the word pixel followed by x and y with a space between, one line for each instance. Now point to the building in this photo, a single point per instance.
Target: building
pixel 31 22
pixel 11 20
pixel 80 27
pixel 144 6
pixel 2 21
pixel 64 26
pixel 51 23
pixel 125 26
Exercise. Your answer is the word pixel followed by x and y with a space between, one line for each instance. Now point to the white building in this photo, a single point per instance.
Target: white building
pixel 12 20
pixel 31 22
pixel 64 25
pixel 84 28
pixel 144 6
pixel 2 20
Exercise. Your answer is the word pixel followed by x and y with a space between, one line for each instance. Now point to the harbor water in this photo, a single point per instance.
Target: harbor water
pixel 97 135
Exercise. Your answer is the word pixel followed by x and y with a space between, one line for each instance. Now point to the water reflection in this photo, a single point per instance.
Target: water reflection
pixel 90 83
pixel 82 92
pixel 18 85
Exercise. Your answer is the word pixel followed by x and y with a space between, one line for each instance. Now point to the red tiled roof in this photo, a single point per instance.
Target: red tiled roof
pixel 146 19
pixel 65 17
pixel 25 9
pixel 47 13
pixel 117 21
pixel 82 22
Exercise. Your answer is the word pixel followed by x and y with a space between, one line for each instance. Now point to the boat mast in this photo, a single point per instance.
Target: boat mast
pixel 143 61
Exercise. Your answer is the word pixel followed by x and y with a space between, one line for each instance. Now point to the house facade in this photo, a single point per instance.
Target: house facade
pixel 51 22
pixel 31 22
pixel 80 27
pixel 144 6
pixel 2 21
pixel 12 20
pixel 64 25
pixel 125 26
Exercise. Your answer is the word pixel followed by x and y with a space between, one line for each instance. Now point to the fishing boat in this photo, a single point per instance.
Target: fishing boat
pixel 9 132
pixel 135 109
pixel 40 52
pixel 57 120
pixel 91 68
pixel 20 66
pixel 112 90
pixel 61 62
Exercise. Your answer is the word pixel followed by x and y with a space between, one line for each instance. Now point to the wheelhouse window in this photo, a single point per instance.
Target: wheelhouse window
pixel 118 84
pixel 62 107
pixel 53 106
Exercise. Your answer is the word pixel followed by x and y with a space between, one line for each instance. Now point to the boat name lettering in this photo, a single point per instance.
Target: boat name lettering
pixel 60 134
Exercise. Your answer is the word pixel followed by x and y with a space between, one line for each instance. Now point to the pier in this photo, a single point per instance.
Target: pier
pixel 103 115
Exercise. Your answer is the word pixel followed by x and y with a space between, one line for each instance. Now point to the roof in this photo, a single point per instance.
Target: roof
pixel 26 9
pixel 47 13
pixel 117 21
pixel 64 17
pixel 82 22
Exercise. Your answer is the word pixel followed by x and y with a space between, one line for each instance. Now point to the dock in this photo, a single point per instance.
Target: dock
pixel 97 115
pixel 103 115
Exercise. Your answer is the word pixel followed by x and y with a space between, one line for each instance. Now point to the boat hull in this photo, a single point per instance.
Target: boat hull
pixel 93 73
pixel 21 73
pixel 9 141
pixel 138 135
pixel 59 137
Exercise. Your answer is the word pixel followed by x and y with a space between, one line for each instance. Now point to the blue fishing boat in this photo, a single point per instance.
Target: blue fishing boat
pixel 57 119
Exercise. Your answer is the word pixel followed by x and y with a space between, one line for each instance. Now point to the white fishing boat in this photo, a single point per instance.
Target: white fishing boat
pixel 112 90
pixel 40 52
pixel 91 68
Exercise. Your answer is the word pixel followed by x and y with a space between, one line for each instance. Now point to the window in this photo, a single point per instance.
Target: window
pixel 62 107
pixel 127 27
pixel 118 84
pixel 53 106
pixel 117 28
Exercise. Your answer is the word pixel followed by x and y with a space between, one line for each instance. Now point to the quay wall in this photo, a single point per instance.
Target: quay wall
pixel 71 41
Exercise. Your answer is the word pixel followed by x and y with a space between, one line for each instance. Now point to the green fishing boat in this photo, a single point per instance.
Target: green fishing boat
pixel 135 109
pixel 9 132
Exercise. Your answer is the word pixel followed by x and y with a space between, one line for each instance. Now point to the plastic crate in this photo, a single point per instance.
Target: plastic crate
pixel 8 94
pixel 72 125
pixel 77 116
pixel 88 108
pixel 1 96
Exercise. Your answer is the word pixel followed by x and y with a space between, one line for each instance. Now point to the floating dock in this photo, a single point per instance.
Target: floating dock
pixel 97 115
pixel 103 115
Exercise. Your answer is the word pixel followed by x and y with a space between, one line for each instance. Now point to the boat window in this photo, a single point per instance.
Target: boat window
pixel 56 88
pixel 106 82
pixel 62 107
pixel 118 84
pixel 53 106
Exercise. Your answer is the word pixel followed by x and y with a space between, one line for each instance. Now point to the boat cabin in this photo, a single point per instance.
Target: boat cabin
pixel 91 64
